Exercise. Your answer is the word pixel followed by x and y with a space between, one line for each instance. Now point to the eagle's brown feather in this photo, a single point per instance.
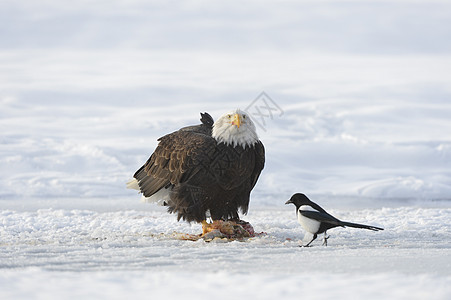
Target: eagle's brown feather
pixel 204 175
pixel 201 174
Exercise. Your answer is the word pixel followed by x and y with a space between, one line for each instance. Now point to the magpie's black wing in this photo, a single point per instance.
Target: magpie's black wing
pixel 321 217
pixel 324 217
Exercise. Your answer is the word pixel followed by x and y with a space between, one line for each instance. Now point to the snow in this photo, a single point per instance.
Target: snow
pixel 111 253
pixel 361 97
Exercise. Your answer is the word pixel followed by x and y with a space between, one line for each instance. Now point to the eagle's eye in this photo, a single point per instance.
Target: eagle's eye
pixel 229 116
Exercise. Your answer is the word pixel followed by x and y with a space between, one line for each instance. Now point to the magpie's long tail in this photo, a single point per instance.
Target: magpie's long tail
pixel 355 225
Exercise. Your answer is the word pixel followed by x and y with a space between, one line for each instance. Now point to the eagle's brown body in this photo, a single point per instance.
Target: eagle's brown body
pixel 201 174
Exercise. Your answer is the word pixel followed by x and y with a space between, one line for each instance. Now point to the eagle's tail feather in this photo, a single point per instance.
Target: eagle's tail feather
pixel 133 184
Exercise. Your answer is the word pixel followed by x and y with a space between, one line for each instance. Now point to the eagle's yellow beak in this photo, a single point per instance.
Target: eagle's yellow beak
pixel 236 120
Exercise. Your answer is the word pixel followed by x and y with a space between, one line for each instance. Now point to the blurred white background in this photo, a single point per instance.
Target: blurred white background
pixel 86 88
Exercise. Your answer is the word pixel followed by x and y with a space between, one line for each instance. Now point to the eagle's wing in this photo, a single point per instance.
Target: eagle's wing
pixel 178 156
pixel 204 128
pixel 259 162
pixel 181 155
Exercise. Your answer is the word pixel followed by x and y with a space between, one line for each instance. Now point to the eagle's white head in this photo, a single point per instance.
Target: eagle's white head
pixel 235 128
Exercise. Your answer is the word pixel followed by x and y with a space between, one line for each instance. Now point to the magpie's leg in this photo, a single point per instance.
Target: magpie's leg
pixel 326 237
pixel 314 237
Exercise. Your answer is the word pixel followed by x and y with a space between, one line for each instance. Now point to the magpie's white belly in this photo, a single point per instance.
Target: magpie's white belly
pixel 308 224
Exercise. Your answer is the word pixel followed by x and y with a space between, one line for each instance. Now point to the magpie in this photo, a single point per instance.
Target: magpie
pixel 315 220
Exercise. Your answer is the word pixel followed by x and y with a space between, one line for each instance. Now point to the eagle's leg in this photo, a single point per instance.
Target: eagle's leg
pixel 208 217
pixel 326 237
pixel 234 217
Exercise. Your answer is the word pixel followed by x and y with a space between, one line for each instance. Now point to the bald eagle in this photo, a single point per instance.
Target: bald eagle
pixel 206 170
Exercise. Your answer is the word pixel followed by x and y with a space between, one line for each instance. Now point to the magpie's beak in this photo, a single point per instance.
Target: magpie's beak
pixel 289 202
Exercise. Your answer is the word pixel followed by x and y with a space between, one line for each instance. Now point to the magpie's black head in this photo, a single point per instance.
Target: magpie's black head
pixel 298 199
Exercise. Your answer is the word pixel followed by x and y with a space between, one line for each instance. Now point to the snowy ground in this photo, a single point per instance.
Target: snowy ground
pixel 364 87
pixel 82 252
